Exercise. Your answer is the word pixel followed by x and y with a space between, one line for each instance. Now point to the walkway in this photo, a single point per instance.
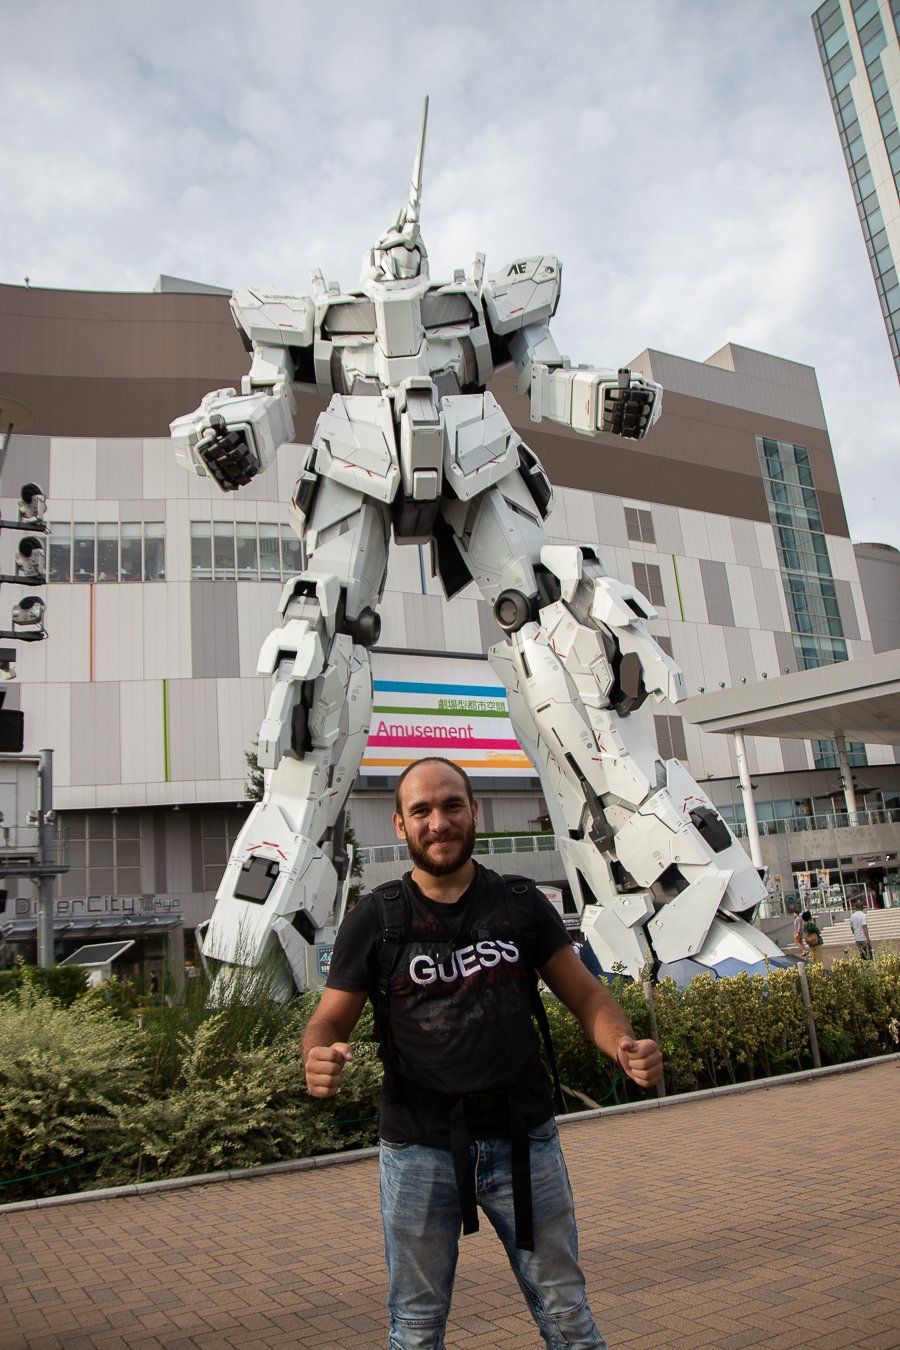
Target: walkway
pixel 769 1218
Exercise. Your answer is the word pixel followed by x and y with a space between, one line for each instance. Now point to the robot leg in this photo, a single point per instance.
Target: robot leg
pixel 280 900
pixel 659 874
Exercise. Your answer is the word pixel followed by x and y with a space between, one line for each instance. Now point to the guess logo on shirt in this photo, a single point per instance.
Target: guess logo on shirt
pixel 464 962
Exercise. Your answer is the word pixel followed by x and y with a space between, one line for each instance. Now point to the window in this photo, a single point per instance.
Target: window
pixel 648 581
pixel 218 831
pixel 105 854
pixel 670 737
pixel 154 550
pixel 60 553
pixel 291 553
pixel 247 551
pixel 244 550
pixel 106 551
pixel 131 566
pixel 83 553
pixel 639 524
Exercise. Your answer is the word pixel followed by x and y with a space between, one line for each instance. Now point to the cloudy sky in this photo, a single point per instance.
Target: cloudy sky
pixel 680 156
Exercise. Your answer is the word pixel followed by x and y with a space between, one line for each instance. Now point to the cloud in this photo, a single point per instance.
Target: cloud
pixel 681 159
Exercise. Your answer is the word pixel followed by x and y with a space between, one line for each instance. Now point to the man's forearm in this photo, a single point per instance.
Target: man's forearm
pixel 320 1031
pixel 604 1022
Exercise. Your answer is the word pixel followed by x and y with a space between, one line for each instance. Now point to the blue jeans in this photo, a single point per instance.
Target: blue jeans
pixel 422 1221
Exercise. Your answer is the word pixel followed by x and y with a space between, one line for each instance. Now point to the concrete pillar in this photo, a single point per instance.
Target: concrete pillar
pixel 846 779
pixel 740 751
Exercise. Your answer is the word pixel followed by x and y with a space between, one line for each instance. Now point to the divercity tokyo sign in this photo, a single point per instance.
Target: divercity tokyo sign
pixel 100 905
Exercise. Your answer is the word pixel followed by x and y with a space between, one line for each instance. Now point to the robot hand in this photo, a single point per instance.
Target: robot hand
pixel 629 407
pixel 228 458
pixel 592 401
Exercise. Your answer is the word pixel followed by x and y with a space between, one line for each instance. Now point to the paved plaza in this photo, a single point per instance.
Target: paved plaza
pixel 767 1218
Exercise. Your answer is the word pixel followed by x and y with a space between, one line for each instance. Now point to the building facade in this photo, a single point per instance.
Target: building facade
pixel 161 589
pixel 860 55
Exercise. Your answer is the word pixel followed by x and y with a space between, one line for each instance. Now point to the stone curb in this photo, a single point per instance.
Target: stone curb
pixel 360 1154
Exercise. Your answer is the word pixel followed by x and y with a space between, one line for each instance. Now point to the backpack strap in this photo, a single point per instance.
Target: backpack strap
pixel 516 894
pixel 392 908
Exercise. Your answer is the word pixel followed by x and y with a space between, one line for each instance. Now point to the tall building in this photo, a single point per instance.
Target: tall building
pixel 859 51
pixel 161 588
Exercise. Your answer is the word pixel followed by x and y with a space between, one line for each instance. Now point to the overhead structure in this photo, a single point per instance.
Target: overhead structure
pixel 849 701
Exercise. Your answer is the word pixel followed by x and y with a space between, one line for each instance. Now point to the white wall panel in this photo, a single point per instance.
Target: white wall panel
pixel 162 476
pixel 178 540
pixel 403 572
pixel 714 659
pixel 693 529
pixel 610 520
pixel 141 720
pixel 257 609
pixel 693 596
pixel 393 620
pixel 768 551
pixel 118 631
pixel 167 633
pixel 765 653
pixel 68 622
pixel 73 467
pixel 580 516
pixel 721 540
pixel 843 559
pixel 46 708
pixel 193 730
pixel 241 705
pixel 743 599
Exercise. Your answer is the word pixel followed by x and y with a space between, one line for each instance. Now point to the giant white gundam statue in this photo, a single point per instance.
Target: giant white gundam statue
pixel 412 444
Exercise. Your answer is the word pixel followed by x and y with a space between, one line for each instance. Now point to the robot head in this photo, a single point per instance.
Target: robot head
pixel 399 255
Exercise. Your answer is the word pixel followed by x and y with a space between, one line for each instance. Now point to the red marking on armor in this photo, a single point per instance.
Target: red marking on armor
pixel 517 311
pixel 267 843
pixel 691 798
pixel 287 325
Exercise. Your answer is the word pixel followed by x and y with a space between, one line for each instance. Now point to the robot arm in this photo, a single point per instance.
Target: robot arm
pixel 231 437
pixel 520 301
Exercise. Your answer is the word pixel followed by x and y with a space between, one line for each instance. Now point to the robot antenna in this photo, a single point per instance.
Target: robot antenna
pixel 415 186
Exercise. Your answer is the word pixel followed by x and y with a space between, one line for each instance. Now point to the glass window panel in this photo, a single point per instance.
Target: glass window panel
pixel 269 564
pixel 108 551
pixel 128 852
pixel 101 880
pixel 201 550
pixel 223 550
pixel 154 551
pixel 131 551
pixel 128 826
pixel 128 880
pixel 841 78
pixel 60 553
pixel 863 13
pixel 874 46
pixel 291 552
pixel 83 552
pixel 247 558
pixel 834 43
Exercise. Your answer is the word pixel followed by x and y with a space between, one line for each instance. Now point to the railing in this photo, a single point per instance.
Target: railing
pixel 513 843
pixel 830 820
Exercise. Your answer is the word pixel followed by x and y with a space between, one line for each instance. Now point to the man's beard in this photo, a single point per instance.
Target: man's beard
pixel 451 862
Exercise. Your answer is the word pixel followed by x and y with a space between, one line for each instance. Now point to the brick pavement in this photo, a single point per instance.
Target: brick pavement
pixel 770 1218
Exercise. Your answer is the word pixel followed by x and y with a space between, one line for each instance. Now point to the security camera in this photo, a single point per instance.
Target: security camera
pixel 28 613
pixel 30 558
pixel 32 502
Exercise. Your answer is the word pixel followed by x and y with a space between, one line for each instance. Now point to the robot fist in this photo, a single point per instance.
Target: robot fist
pixel 225 452
pixel 630 407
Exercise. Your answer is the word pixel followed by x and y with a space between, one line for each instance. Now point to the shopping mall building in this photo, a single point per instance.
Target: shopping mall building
pixel 160 590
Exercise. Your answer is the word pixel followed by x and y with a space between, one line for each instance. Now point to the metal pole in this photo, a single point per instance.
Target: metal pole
pixel 740 751
pixel 810 1020
pixel 840 742
pixel 45 885
pixel 651 1008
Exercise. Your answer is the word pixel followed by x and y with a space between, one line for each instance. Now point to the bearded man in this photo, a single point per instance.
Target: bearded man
pixel 449 956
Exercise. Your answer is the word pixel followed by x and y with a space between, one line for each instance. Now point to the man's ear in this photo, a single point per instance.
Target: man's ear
pixel 398 825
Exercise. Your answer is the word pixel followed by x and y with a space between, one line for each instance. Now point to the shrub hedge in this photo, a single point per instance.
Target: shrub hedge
pixel 106 1087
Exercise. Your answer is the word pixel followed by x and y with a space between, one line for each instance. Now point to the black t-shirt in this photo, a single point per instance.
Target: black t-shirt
pixel 459 1004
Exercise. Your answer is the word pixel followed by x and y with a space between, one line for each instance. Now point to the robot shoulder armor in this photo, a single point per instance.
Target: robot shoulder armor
pixel 272 318
pixel 525 291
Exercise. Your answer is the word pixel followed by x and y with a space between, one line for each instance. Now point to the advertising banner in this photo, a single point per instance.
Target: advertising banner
pixel 468 723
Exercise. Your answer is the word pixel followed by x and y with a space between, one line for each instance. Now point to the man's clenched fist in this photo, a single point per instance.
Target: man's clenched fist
pixel 325 1066
pixel 641 1060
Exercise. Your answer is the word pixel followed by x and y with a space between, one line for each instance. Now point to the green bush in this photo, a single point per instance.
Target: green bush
pixel 115 1088
pixel 63 983
pixel 65 1076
